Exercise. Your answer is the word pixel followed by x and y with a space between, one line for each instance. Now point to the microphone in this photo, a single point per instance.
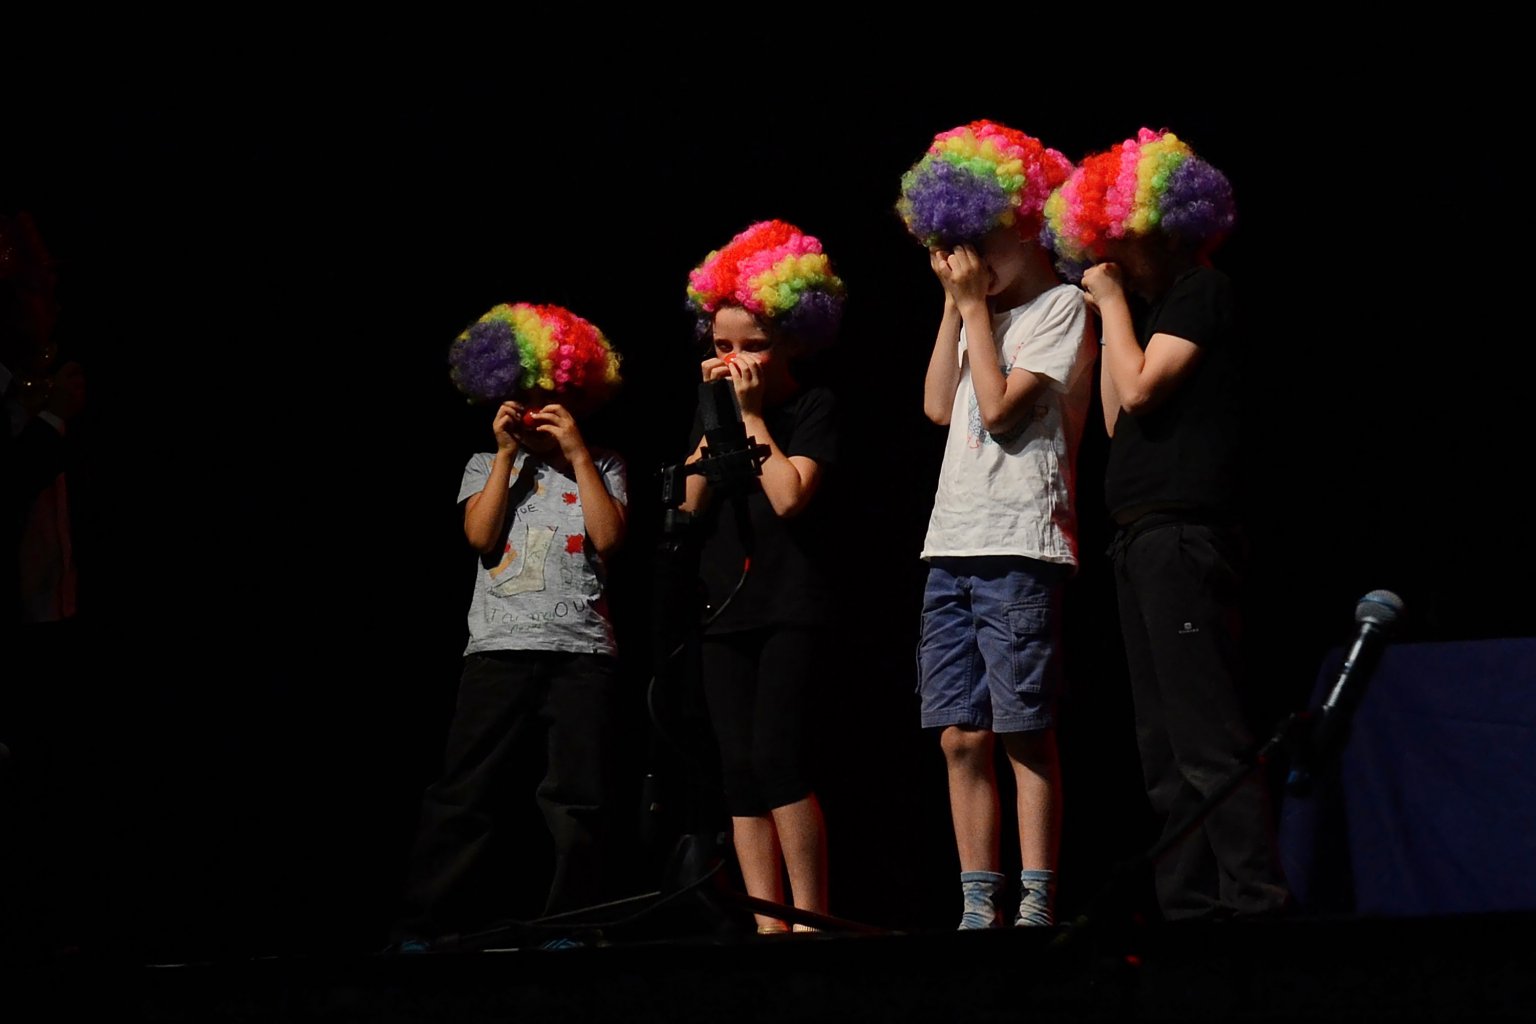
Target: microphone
pixel 1378 614
pixel 730 457
pixel 723 428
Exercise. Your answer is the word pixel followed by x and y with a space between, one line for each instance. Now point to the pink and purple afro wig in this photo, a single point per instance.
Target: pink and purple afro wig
pixel 1149 186
pixel 517 351
pixel 777 273
pixel 975 178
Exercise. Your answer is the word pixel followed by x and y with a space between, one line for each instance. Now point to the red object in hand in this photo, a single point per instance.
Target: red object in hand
pixel 528 414
pixel 729 358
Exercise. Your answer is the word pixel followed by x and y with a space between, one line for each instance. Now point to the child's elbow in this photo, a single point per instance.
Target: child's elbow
pixel 789 508
pixel 996 424
pixel 1139 402
pixel 609 538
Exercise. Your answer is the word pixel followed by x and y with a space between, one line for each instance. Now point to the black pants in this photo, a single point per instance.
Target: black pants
pixel 758 685
pixel 1178 585
pixel 508 700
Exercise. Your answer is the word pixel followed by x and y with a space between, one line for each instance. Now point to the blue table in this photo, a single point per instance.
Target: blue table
pixel 1430 807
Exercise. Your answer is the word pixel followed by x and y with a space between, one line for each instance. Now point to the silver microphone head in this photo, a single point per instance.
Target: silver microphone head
pixel 1381 608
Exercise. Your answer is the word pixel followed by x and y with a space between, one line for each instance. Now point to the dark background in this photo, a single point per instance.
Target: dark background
pixel 263 271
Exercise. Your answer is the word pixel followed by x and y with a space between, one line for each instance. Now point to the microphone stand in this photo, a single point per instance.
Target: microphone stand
pixel 1311 737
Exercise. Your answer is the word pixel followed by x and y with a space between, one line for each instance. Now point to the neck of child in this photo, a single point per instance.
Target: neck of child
pixel 1161 274
pixel 1037 277
pixel 781 389
pixel 552 457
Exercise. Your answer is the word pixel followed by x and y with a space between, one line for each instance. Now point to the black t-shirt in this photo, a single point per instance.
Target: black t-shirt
pixel 789 581
pixel 1186 452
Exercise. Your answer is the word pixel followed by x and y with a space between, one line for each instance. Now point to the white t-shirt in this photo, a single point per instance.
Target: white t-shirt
pixel 1012 494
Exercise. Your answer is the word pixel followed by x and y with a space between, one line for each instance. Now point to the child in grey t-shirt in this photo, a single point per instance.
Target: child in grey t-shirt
pixel 544 512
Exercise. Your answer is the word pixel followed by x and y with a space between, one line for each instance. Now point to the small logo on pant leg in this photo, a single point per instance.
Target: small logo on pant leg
pixel 1189 627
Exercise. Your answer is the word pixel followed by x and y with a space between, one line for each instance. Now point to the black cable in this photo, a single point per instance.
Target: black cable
pixel 551 924
pixel 650 689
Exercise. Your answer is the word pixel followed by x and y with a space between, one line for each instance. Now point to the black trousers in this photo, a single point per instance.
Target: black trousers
pixel 508 700
pixel 1179 590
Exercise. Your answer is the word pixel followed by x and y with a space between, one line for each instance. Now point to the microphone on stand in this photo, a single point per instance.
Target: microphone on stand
pixel 1378 614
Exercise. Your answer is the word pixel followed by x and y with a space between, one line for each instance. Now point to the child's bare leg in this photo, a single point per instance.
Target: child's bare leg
pixel 803 837
pixel 757 853
pixel 1037 775
pixel 972 795
pixel 974 808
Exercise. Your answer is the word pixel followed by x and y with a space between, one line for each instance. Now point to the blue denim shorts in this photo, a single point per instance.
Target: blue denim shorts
pixel 989 654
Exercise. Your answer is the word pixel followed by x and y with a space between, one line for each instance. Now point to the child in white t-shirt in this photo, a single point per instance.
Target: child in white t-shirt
pixel 1010 376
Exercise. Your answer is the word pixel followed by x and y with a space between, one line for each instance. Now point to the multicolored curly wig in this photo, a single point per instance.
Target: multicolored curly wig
pixel 777 273
pixel 515 351
pixel 1147 186
pixel 975 178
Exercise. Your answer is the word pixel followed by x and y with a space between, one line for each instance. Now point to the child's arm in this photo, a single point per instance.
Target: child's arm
pixel 602 513
pixel 485 513
pixel 695 487
pixel 789 481
pixel 1002 401
pixel 943 367
pixel 1139 380
pixel 1108 394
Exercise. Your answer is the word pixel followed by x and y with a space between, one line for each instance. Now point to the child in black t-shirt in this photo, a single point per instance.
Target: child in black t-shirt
pixel 766 297
pixel 1146 215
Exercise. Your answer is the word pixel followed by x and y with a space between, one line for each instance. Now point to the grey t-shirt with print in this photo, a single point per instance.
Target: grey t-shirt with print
pixel 543 591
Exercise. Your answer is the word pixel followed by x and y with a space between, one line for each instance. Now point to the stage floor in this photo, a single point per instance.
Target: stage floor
pixel 1463 968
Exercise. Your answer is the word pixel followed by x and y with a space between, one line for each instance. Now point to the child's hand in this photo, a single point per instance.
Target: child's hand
pixel 746 373
pixel 964 276
pixel 714 368
pixel 509 420
pixel 1104 283
pixel 556 421
pixel 970 275
pixel 938 260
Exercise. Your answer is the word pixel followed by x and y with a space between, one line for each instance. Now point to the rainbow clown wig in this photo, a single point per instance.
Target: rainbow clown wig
pixel 515 352
pixel 975 178
pixel 777 273
pixel 1149 186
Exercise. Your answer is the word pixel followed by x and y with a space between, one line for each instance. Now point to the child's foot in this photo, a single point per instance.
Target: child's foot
pixel 1037 889
pixel 980 891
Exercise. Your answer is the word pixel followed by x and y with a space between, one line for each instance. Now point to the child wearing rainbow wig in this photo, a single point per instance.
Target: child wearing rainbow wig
pixel 767 297
pixel 1144 217
pixel 543 512
pixel 1010 376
